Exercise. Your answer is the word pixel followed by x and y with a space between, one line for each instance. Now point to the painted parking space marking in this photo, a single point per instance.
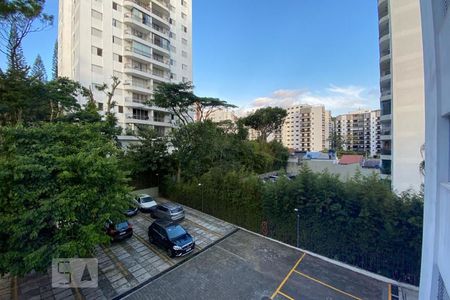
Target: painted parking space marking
pixel 286 296
pixel 327 285
pixel 287 276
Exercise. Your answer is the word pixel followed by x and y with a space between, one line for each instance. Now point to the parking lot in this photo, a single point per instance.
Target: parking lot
pixel 248 266
pixel 228 263
pixel 123 265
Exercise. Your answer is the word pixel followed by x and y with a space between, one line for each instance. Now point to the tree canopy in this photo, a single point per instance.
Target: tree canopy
pixel 180 99
pixel 38 69
pixel 266 120
pixel 60 183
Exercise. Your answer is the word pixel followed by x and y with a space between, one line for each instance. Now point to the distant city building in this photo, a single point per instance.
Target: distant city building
pixel 360 131
pixel 306 128
pixel 402 91
pixel 435 272
pixel 143 43
pixel 223 115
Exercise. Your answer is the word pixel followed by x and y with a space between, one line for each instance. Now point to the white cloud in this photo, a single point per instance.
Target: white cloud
pixel 338 99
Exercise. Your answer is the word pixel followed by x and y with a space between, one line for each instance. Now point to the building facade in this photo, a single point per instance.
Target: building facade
pixel 306 128
pixel 360 131
pixel 435 272
pixel 402 92
pixel 142 42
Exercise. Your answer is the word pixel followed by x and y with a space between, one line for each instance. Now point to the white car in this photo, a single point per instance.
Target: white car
pixel 145 202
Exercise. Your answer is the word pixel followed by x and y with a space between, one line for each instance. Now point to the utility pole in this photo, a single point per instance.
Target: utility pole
pixel 297 211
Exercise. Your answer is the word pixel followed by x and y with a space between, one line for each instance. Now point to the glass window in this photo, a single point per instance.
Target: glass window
pixel 96 14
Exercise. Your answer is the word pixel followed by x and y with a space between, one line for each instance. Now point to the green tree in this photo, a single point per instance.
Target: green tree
pixel 16 59
pixel 38 70
pixel 266 120
pixel 180 99
pixel 55 61
pixel 62 97
pixel 24 17
pixel 59 183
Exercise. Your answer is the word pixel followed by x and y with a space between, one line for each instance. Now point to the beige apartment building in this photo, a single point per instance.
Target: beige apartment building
pixel 402 92
pixel 306 128
pixel 360 131
pixel 142 42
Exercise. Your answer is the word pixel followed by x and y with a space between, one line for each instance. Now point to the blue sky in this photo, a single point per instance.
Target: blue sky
pixel 254 53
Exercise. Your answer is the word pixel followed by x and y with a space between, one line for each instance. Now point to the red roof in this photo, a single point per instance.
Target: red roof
pixel 350 159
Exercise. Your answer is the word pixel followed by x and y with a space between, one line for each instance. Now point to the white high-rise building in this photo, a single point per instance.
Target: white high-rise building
pixel 306 128
pixel 142 42
pixel 360 131
pixel 435 273
pixel 402 92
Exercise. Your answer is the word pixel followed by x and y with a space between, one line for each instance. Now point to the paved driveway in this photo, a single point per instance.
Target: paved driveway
pixel 248 266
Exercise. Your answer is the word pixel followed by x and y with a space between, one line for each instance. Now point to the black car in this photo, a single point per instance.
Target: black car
pixel 172 237
pixel 119 231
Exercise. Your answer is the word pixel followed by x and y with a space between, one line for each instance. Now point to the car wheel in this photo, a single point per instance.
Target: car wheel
pixel 170 253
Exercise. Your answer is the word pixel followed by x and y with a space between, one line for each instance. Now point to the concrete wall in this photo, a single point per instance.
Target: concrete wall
pixel 408 123
pixel 344 171
pixel 436 227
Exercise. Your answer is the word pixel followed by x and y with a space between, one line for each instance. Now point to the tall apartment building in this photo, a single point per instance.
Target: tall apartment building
pixel 306 128
pixel 402 91
pixel 142 42
pixel 435 272
pixel 223 115
pixel 360 131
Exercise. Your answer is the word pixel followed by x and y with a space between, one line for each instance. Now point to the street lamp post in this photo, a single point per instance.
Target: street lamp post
pixel 201 188
pixel 297 211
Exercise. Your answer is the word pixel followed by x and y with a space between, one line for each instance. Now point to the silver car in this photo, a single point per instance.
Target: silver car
pixel 168 211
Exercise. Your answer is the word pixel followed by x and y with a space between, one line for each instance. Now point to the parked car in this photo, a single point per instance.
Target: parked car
pixel 145 203
pixel 132 210
pixel 119 231
pixel 168 211
pixel 172 237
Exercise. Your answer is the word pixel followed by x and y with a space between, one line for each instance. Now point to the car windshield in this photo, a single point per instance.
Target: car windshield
pixel 174 232
pixel 146 199
pixel 122 226
pixel 176 210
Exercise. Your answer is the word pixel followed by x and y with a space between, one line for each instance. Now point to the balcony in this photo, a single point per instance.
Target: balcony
pixel 138 87
pixel 384 37
pixel 385 76
pixel 383 20
pixel 164 17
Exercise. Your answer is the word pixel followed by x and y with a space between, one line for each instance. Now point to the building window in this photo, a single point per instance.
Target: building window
pixel 184 67
pixel 117 57
pixel 114 5
pixel 116 23
pixel 97 51
pixel 183 2
pixel 117 40
pixel 100 106
pixel 184 54
pixel 172 35
pixel 120 109
pixel 184 28
pixel 183 15
pixel 96 14
pixel 184 41
pixel 96 32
